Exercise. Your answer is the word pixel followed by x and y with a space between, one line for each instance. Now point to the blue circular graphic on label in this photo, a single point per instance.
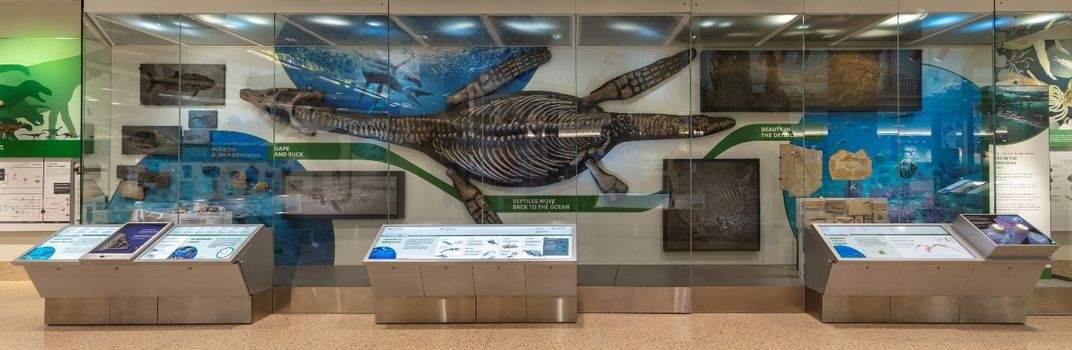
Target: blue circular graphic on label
pixel 848 252
pixel 40 253
pixel 385 253
pixel 225 252
pixel 183 253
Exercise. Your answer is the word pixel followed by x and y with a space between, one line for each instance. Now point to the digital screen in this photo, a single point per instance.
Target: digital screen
pixel 473 243
pixel 894 242
pixel 70 243
pixel 129 238
pixel 200 243
pixel 1008 229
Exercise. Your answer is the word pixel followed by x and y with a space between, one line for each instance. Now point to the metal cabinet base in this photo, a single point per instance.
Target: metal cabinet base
pixel 916 309
pixel 89 311
pixel 215 310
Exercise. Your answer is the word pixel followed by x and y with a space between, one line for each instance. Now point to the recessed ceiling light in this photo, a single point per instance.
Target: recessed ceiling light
pixel 782 19
pixel 375 23
pixel 460 25
pixel 258 20
pixel 707 23
pixel 529 27
pixel 330 21
pixel 1036 19
pixel 556 36
pixel 903 19
pixel 725 24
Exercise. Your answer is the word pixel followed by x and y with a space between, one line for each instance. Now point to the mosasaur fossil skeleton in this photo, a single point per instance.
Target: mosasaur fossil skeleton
pixel 521 139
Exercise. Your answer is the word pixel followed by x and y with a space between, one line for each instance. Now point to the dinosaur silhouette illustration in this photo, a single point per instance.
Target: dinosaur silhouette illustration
pixel 52 83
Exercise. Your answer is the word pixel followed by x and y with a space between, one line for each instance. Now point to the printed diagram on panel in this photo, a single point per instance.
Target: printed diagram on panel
pixel 35 192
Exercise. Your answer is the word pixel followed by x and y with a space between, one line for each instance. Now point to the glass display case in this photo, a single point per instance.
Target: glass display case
pixel 688 142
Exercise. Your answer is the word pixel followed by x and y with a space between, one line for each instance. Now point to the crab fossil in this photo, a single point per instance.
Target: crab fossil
pixel 521 139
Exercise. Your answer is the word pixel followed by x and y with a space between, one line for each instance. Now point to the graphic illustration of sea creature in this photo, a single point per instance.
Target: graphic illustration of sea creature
pixel 120 242
pixel 534 252
pixel 522 139
pixel 509 246
pixel 178 82
pixel 451 249
pixel 377 70
pixel 1060 104
pixel 907 168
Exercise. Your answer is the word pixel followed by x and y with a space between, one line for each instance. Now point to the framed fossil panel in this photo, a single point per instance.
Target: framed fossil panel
pixel 183 84
pixel 836 80
pixel 713 205
pixel 151 139
pixel 344 195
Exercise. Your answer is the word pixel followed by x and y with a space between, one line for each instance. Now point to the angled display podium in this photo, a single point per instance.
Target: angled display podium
pixel 72 295
pixel 153 273
pixel 210 273
pixel 474 273
pixel 929 273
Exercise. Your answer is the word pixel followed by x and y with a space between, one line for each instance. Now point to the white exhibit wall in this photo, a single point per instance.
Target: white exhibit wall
pixel 604 238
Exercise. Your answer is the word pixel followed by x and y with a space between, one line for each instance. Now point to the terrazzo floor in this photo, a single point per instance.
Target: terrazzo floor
pixel 21 328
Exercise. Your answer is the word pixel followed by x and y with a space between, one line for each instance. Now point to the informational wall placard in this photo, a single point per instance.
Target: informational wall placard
pixel 70 243
pixel 200 243
pixel 910 242
pixel 34 191
pixel 473 242
pixel 129 238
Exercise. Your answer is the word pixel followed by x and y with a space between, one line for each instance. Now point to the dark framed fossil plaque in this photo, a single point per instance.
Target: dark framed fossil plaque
pixel 344 195
pixel 151 139
pixel 836 80
pixel 713 205
pixel 183 84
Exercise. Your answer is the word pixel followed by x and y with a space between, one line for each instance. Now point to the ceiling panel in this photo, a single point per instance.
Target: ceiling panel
pixel 533 30
pixel 355 30
pixel 449 30
pixel 627 30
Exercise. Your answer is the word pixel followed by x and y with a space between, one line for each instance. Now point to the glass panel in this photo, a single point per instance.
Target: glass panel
pixel 745 181
pixel 1032 102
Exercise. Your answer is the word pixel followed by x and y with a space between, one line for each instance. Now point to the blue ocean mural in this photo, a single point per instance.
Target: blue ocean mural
pixel 918 158
pixel 204 172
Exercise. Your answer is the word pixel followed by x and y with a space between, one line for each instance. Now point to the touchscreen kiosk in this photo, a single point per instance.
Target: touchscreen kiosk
pixel 200 243
pixel 474 242
pixel 69 243
pixel 907 242
pixel 127 241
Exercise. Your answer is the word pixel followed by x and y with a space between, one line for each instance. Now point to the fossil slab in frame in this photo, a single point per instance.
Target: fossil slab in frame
pixel 713 205
pixel 183 84
pixel 344 195
pixel 151 139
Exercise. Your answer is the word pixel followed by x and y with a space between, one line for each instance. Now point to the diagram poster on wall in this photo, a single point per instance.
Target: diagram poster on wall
pixel 35 191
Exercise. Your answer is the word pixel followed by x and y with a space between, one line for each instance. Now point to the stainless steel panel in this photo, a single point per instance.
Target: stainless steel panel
pixel 1051 297
pixel 562 308
pixel 262 304
pixel 179 279
pixel 76 311
pixel 404 309
pixel 395 280
pixel 499 280
pixel 818 260
pixel 634 299
pixel 1004 278
pixel 323 300
pixel 121 281
pixel 990 309
pixel 925 309
pixel 736 299
pixel 257 262
pixel 500 308
pixel 551 279
pixel 142 310
pixel 933 278
pixel 863 278
pixel 446 280
pixel 206 310
pixel 452 309
pixel 837 308
pixel 64 281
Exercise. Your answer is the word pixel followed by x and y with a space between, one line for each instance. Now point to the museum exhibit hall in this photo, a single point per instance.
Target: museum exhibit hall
pixel 605 174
